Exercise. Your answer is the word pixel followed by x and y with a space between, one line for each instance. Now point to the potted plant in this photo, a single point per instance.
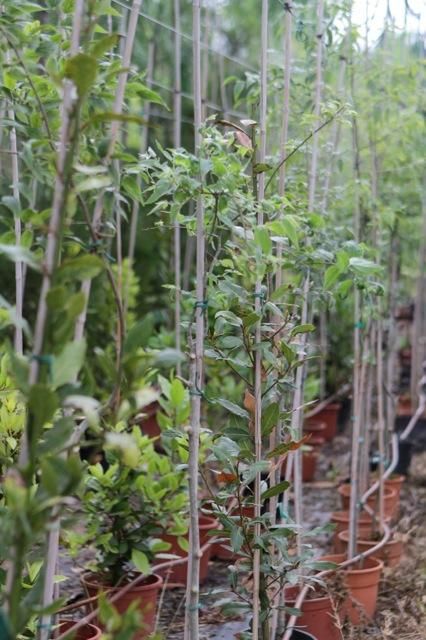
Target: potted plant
pixel 128 508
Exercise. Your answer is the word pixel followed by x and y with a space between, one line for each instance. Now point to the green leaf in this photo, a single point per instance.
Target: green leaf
pixel 289 354
pixel 104 44
pixel 141 562
pixel 132 187
pixel 262 239
pixel 81 268
pixel 68 363
pixel 149 95
pixel 11 203
pixel 82 69
pixel 139 334
pixel 276 490
pixel 92 183
pixel 177 393
pixel 363 266
pixel 233 408
pixel 230 318
pixel 42 404
pixel 331 276
pixel 20 254
pixel 302 328
pixel 270 417
pixel 236 539
pixel 261 167
pixel 57 437
pixel 250 320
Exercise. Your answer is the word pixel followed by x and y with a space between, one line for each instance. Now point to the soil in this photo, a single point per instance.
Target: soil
pixel 401 613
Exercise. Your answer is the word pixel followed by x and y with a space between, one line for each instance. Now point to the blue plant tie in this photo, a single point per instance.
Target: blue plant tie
pixel 359 325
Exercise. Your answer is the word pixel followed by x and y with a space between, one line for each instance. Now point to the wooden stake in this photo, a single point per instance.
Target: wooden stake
pixel 197 357
pixel 113 135
pixel 177 130
pixel 19 267
pixel 258 333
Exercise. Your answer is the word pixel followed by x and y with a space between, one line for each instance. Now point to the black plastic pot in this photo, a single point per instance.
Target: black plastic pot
pixel 301 635
pixel 405 452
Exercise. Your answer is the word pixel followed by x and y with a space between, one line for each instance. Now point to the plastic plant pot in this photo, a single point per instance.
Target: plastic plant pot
pixel 147 593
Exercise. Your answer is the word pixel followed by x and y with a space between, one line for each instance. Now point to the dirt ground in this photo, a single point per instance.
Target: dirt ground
pixel 401 613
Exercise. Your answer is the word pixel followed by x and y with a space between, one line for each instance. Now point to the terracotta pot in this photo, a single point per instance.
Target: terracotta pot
pixel 316 614
pixel 404 407
pixel 315 427
pixel 316 443
pixel 395 482
pixel 148 424
pixel 341 520
pixel 362 582
pixel 391 499
pixel 309 465
pixel 146 593
pixel 329 416
pixel 390 553
pixel 88 632
pixel 177 574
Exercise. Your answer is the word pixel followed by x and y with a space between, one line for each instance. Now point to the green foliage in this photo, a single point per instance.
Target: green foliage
pixel 129 505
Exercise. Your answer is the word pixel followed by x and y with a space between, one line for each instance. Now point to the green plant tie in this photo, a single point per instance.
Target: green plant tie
pixel 46 359
pixel 94 245
pixel 359 325
pixel 195 391
pixel 201 304
pixel 260 295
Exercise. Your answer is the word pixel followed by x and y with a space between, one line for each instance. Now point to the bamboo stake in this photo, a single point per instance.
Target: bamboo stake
pixel 177 130
pixel 113 135
pixel 53 537
pixel 381 421
pixel 317 107
pixel 357 398
pixel 418 346
pixel 19 267
pixel 258 333
pixel 143 147
pixel 197 359
pixel 287 43
pixel 205 64
pixel 281 178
